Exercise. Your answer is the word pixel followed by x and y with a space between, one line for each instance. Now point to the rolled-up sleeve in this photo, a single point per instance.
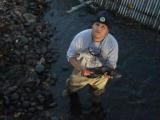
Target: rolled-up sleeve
pixel 113 56
pixel 74 47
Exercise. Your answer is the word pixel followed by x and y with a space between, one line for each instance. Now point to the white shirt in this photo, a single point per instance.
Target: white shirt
pixel 81 43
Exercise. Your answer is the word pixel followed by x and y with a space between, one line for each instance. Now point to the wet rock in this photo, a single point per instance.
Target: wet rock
pixel 40 98
pixel 26 47
pixel 16 115
pixel 55 118
pixel 15 96
pixel 30 18
pixel 23 40
pixel 26 104
pixel 52 105
pixel 32 109
pixel 23 45
pixel 93 8
pixel 39 68
pixel 40 108
pixel 43 50
pixel 6 100
pixel 28 89
pixel 42 60
pixel 11 89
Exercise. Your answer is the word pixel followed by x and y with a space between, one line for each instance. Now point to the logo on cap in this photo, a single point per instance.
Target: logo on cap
pixel 102 19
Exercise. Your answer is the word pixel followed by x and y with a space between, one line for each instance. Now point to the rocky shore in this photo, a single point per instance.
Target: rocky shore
pixel 25 59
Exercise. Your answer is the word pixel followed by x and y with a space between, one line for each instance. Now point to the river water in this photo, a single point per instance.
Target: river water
pixel 133 97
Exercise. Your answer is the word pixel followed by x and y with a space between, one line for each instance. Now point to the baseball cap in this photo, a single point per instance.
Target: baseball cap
pixel 103 17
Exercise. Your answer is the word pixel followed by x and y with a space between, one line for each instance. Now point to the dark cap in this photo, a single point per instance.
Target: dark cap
pixel 103 17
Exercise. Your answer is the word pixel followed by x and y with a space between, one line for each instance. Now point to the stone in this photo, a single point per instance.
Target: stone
pixel 39 68
pixel 15 96
pixel 52 105
pixel 26 104
pixel 30 18
pixel 24 39
pixel 41 98
pixel 40 107
pixel 55 118
pixel 23 45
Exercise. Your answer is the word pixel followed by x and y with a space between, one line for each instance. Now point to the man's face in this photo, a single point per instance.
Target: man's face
pixel 99 31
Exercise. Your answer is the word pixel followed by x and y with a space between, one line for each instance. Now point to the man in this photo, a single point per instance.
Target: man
pixel 91 48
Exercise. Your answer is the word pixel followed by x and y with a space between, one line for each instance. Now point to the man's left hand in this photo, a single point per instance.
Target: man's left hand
pixel 107 77
pixel 86 72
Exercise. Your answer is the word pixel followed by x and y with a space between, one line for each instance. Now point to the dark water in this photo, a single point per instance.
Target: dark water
pixel 136 96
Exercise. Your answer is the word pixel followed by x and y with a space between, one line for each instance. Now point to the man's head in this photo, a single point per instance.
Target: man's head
pixel 101 26
pixel 104 18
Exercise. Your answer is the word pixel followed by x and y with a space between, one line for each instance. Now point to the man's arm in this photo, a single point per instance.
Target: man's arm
pixel 112 57
pixel 75 63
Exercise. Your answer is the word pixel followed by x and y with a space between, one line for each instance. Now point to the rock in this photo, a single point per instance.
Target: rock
pixel 93 8
pixel 11 89
pixel 15 96
pixel 42 60
pixel 39 68
pixel 33 104
pixel 32 109
pixel 38 51
pixel 19 104
pixel 26 104
pixel 32 82
pixel 30 18
pixel 41 98
pixel 26 47
pixel 16 115
pixel 52 105
pixel 28 89
pixel 24 41
pixel 40 108
pixel 43 50
pixel 55 118
pixel 6 100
